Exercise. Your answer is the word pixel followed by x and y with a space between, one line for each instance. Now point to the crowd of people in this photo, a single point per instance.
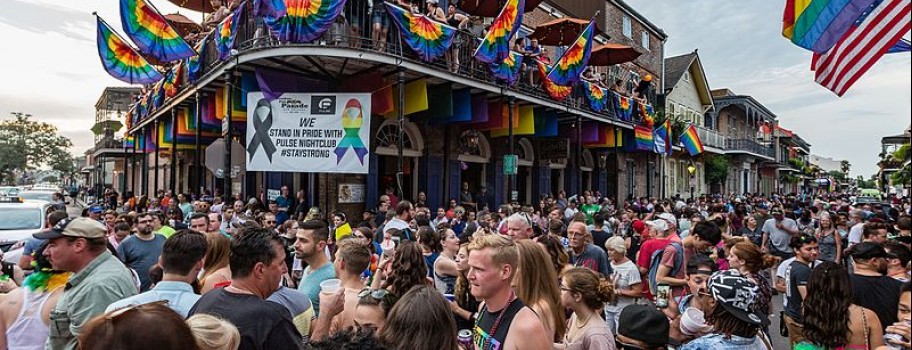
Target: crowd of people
pixel 578 272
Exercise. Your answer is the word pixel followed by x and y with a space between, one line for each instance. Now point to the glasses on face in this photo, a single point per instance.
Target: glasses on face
pixel 269 222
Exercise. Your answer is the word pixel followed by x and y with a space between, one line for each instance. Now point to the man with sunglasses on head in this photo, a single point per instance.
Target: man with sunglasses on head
pixel 99 279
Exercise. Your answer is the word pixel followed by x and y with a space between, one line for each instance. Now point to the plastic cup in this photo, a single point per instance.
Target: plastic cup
pixel 449 297
pixel 692 322
pixel 330 286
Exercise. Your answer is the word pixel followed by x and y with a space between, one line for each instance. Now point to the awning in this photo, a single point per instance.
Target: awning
pixel 182 24
pixel 558 32
pixel 483 8
pixel 204 6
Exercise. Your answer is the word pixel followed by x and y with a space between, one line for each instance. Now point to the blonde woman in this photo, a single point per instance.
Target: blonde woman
pixel 215 273
pixel 534 285
pixel 213 333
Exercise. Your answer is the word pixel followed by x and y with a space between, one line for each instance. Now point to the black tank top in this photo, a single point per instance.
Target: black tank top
pixel 486 322
pixel 453 22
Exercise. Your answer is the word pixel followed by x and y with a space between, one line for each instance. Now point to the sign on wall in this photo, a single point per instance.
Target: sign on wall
pixel 351 193
pixel 309 133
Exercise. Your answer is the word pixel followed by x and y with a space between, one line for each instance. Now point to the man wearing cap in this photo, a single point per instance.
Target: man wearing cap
pixel 95 212
pixel 98 279
pixel 777 233
pixel 871 288
pixel 643 327
pixel 735 323
pixel 656 240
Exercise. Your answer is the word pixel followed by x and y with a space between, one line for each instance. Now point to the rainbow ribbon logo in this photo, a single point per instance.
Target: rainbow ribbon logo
pixel 352 119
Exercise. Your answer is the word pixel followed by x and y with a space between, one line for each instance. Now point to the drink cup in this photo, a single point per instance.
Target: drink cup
pixel 693 322
pixel 330 286
pixel 449 297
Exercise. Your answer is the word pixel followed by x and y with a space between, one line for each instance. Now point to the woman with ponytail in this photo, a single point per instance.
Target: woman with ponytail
pixel 25 315
pixel 747 259
pixel 585 292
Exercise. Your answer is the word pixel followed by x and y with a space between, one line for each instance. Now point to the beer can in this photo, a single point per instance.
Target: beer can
pixel 464 337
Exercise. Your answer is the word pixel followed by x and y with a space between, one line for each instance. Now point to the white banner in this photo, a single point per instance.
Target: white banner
pixel 309 133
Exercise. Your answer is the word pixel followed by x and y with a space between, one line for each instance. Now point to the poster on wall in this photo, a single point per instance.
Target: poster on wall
pixel 309 133
pixel 351 193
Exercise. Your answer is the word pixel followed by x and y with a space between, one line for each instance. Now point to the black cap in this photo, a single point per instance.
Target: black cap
pixel 868 250
pixel 738 295
pixel 646 324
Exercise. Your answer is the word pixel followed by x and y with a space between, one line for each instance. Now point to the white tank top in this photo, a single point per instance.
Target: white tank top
pixel 29 332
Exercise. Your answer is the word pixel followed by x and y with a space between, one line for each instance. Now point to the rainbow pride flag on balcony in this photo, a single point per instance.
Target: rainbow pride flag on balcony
pixel 508 69
pixel 120 60
pixel 568 68
pixel 598 97
pixel 225 33
pixel 817 25
pixel 304 20
pixel 151 33
pixel 557 92
pixel 172 79
pixel 623 105
pixel 643 138
pixel 495 46
pixel 691 141
pixel 647 113
pixel 428 38
pixel 194 63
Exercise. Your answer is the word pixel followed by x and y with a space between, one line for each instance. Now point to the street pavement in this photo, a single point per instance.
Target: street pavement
pixel 779 342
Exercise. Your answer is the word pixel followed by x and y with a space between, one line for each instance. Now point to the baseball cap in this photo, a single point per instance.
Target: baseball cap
pixel 776 211
pixel 868 250
pixel 737 294
pixel 670 218
pixel 659 224
pixel 78 227
pixel 96 209
pixel 644 323
pixel 639 226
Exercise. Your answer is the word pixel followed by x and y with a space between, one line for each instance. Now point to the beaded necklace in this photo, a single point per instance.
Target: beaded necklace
pixel 497 320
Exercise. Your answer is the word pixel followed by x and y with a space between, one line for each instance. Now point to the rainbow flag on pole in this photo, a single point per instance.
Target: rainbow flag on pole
pixel 817 25
pixel 568 68
pixel 691 141
pixel 120 60
pixel 304 20
pixel 225 33
pixel 495 46
pixel 643 138
pixel 151 32
pixel 557 92
pixel 429 39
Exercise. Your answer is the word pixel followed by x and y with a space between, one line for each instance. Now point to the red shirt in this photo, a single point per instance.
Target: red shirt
pixel 645 255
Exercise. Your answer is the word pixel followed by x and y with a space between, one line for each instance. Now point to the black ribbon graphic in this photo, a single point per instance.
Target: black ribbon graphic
pixel 261 128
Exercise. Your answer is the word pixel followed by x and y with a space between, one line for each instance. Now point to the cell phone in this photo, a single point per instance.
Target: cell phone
pixel 663 292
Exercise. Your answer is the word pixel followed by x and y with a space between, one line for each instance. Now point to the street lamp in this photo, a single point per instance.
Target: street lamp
pixel 691 169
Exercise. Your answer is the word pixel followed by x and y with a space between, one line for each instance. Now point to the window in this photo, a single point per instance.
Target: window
pixel 645 40
pixel 628 28
pixel 671 108
pixel 686 76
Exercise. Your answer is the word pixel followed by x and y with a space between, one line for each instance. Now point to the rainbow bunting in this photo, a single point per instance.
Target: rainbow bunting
pixel 647 113
pixel 173 79
pixel 557 92
pixel 623 105
pixel 195 63
pixel 496 44
pixel 429 39
pixel 225 33
pixel 643 137
pixel 508 69
pixel 151 32
pixel 568 68
pixel 691 141
pixel 662 136
pixel 817 25
pixel 120 60
pixel 598 97
pixel 304 20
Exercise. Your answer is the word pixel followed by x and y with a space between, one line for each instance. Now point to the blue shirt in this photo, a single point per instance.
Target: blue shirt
pixel 179 295
pixel 310 283
pixel 719 342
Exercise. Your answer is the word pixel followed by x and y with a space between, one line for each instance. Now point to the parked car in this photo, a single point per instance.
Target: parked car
pixel 20 219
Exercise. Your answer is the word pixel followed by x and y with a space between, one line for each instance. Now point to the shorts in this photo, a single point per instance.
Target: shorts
pixel 781 254
pixel 378 16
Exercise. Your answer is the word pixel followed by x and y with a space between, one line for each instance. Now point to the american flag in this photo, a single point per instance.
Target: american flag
pixel 872 36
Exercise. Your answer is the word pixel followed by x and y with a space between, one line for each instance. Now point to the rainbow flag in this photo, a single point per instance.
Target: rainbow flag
pixel 691 141
pixel 495 46
pixel 508 69
pixel 225 33
pixel 304 20
pixel 568 68
pixel 120 60
pixel 643 138
pixel 151 33
pixel 172 79
pixel 598 97
pixel 647 113
pixel 429 39
pixel 662 137
pixel 195 63
pixel 623 105
pixel 269 8
pixel 128 141
pixel 557 92
pixel 817 25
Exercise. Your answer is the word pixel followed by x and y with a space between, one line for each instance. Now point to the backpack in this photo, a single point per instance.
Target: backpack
pixel 656 260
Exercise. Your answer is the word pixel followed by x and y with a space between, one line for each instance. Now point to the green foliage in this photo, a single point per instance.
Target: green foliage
pixel 797 163
pixel 903 176
pixel 845 166
pixel 860 182
pixel 789 178
pixel 716 169
pixel 26 144
pixel 838 175
pixel 902 154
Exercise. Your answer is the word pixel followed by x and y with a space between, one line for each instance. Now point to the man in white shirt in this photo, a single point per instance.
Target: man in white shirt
pixel 857 218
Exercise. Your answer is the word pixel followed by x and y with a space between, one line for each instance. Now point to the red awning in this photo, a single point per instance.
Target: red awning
pixel 486 8
pixel 611 54
pixel 204 6
pixel 182 24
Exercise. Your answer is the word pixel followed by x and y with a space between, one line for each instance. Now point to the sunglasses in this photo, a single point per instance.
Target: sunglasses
pixel 377 294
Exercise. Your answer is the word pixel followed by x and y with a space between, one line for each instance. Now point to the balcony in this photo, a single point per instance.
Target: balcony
pixel 711 138
pixel 339 55
pixel 748 146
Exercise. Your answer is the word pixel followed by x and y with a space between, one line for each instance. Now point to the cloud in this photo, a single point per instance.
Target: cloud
pixel 42 19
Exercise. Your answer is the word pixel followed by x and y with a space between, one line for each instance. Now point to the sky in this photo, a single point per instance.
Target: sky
pixel 53 71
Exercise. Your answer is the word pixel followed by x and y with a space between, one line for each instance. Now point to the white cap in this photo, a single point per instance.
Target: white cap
pixel 670 218
pixel 659 224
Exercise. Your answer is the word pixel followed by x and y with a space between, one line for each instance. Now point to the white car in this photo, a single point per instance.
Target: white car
pixel 19 220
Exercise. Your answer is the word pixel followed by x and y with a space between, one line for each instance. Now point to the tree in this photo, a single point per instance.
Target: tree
pixel 845 166
pixel 26 144
pixel 837 175
pixel 716 170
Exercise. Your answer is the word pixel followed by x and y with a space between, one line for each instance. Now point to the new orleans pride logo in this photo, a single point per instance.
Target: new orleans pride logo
pixel 352 119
